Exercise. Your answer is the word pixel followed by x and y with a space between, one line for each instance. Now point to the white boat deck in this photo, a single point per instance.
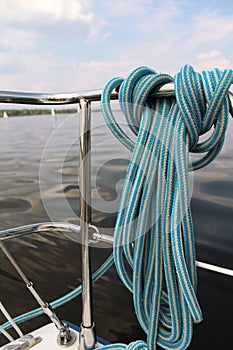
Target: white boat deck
pixel 49 335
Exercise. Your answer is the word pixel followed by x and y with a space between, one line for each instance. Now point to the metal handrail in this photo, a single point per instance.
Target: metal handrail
pixel 72 97
pixel 38 228
pixel 67 98
pixel 50 98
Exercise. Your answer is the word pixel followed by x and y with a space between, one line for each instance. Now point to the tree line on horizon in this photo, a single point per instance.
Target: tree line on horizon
pixel 34 112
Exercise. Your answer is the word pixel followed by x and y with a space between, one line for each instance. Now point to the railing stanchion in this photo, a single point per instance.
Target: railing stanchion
pixel 87 333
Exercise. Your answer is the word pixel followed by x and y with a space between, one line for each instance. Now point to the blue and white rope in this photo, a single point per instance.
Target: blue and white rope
pixel 154 249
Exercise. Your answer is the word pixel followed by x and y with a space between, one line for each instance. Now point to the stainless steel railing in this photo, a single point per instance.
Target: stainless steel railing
pixel 84 99
pixel 66 98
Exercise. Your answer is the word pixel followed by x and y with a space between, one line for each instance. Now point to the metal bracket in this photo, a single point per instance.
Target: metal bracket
pixel 87 337
pixel 97 236
pixel 66 337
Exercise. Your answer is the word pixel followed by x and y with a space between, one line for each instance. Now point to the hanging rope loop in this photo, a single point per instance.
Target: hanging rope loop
pixel 154 250
pixel 204 104
pixel 134 93
pixel 190 99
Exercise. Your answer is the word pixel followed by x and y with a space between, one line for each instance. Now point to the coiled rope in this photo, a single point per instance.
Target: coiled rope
pixel 154 233
pixel 154 250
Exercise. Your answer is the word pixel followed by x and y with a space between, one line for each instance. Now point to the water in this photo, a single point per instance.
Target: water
pixel 33 188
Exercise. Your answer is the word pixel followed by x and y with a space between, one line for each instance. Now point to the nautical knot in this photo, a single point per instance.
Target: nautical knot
pixel 203 102
pixel 154 250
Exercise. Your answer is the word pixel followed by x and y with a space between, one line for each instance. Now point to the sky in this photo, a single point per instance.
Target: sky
pixel 72 45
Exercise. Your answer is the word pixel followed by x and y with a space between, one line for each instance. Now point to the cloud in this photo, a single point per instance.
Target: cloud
pixel 141 16
pixel 56 19
pixel 124 8
pixel 10 65
pixel 56 76
pixel 95 74
pixel 161 17
pixel 60 45
pixel 212 59
pixel 4 45
pixel 211 28
pixel 37 73
pixel 25 10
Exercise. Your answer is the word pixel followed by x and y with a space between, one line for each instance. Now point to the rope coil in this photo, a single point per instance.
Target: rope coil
pixel 154 250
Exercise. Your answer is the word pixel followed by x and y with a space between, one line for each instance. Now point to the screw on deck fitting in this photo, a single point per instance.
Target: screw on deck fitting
pixel 66 337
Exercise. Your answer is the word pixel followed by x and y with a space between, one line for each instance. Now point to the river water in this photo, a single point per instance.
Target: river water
pixel 39 167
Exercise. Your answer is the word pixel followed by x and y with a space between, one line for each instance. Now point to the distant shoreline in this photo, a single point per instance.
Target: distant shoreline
pixel 34 112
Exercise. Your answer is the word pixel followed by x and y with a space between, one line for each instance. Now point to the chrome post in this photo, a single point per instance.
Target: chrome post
pixel 87 338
